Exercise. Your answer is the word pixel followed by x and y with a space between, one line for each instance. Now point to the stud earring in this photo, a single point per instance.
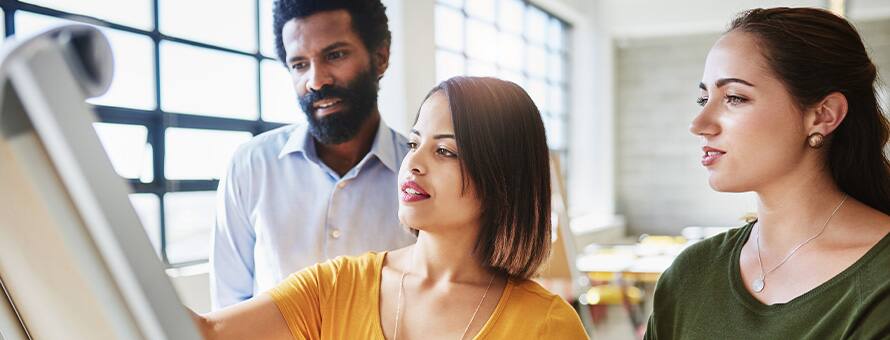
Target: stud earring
pixel 815 140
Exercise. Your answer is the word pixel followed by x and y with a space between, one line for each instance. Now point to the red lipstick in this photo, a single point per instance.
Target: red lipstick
pixel 410 191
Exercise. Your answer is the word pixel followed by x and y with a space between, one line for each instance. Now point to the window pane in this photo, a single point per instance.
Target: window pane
pixel 127 147
pixel 148 208
pixel 27 23
pixel 555 126
pixel 481 44
pixel 513 76
pixel 267 36
pixel 453 3
pixel 536 28
pixel 200 154
pixel 206 82
pixel 279 97
pixel 133 82
pixel 448 65
pixel 556 100
pixel 481 69
pixel 232 24
pixel 537 61
pixel 482 9
pixel 510 15
pixel 449 28
pixel 537 89
pixel 510 47
pixel 189 217
pixel 556 40
pixel 135 13
pixel 556 73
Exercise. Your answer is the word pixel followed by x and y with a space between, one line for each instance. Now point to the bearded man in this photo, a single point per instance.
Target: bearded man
pixel 305 193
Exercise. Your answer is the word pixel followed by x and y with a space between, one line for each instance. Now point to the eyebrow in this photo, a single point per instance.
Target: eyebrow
pixel 723 81
pixel 334 46
pixel 439 136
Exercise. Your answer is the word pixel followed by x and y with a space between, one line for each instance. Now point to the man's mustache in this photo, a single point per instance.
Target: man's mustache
pixel 326 92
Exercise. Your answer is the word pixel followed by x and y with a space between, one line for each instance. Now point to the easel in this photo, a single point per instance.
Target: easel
pixel 75 263
pixel 560 274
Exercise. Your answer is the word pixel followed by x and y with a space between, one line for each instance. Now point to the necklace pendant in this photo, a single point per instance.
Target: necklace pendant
pixel 758 285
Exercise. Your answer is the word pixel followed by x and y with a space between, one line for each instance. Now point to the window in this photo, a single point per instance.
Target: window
pixel 188 89
pixel 511 40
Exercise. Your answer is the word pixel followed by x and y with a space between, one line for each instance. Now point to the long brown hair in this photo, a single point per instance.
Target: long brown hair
pixel 504 154
pixel 816 53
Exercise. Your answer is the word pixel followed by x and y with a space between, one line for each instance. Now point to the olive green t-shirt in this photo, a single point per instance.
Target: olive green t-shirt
pixel 701 296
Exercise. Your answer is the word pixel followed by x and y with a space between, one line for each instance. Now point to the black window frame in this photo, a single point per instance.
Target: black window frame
pixel 565 84
pixel 157 121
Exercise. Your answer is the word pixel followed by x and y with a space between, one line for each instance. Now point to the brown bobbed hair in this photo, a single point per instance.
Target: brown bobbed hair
pixel 816 53
pixel 504 154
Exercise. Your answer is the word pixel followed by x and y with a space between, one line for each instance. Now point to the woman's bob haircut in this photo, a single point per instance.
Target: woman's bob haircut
pixel 504 154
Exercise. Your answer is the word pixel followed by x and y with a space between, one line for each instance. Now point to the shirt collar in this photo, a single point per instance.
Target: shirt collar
pixel 383 147
pixel 301 141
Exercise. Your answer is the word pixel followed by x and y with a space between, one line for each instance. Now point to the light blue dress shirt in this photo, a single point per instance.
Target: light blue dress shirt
pixel 280 209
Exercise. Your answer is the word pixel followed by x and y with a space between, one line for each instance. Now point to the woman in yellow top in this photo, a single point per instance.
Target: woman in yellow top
pixel 475 188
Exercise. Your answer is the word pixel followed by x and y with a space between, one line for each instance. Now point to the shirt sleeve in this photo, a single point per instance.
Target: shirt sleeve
pixel 231 256
pixel 300 298
pixel 563 322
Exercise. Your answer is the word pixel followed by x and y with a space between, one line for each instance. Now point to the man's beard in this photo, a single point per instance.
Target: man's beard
pixel 358 99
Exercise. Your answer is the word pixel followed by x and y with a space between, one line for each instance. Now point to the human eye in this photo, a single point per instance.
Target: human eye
pixel 300 65
pixel 445 152
pixel 701 101
pixel 336 55
pixel 735 100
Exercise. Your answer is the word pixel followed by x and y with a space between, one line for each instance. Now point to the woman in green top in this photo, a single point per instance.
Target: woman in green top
pixel 789 112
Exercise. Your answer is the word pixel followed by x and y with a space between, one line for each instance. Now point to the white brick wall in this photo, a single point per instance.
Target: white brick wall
pixel 660 185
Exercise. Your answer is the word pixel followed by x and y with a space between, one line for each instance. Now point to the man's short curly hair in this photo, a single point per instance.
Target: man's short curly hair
pixel 369 19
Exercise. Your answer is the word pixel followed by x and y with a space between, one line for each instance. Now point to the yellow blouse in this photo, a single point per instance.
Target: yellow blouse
pixel 338 299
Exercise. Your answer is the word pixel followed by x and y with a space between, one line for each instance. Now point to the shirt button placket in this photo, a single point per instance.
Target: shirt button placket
pixel 335 233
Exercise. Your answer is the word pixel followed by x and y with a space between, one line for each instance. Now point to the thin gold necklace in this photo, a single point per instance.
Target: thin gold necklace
pixel 760 282
pixel 402 289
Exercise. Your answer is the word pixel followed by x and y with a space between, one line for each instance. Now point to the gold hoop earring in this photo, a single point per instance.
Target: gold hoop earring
pixel 815 140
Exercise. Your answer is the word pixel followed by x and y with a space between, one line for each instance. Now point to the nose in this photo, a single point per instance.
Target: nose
pixel 318 77
pixel 705 123
pixel 414 162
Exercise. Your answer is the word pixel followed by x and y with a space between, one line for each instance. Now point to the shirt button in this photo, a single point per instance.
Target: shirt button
pixel 341 185
pixel 335 233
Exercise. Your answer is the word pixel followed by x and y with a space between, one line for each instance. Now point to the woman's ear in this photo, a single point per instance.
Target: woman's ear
pixel 828 114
